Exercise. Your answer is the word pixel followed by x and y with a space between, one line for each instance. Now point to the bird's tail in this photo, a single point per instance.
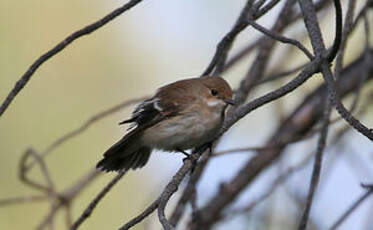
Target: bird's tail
pixel 125 154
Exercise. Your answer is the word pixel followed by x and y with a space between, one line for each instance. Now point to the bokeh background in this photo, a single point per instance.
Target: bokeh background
pixel 153 44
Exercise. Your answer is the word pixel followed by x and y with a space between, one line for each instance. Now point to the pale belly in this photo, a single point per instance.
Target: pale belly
pixel 182 133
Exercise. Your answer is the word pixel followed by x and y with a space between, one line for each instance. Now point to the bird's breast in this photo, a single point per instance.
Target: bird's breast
pixel 184 131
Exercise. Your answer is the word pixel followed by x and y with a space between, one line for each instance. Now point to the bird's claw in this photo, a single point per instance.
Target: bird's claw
pixel 193 160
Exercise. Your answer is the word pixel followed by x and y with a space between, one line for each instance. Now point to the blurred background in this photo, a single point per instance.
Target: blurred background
pixel 153 44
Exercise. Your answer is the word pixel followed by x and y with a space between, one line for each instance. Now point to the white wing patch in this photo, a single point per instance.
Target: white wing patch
pixel 142 107
pixel 156 105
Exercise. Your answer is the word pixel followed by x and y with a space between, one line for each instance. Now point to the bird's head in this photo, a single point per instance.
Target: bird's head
pixel 217 92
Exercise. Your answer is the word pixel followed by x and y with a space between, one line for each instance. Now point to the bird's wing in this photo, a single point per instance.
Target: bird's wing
pixel 144 116
pixel 149 110
pixel 167 102
pixel 142 121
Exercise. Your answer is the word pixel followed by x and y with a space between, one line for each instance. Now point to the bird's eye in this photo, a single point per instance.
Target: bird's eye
pixel 214 92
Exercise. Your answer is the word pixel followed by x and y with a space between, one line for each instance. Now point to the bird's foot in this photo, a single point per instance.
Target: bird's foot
pixel 189 157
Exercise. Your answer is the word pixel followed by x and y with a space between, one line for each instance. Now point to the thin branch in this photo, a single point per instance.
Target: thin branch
pixel 141 216
pixel 87 212
pixel 249 11
pixel 71 192
pixel 280 75
pixel 90 121
pixel 294 139
pixel 172 187
pixel 64 198
pixel 225 44
pixel 301 120
pixel 353 207
pixel 281 38
pixel 189 190
pixel 266 156
pixel 317 164
pixel 256 71
pixel 161 202
pixel 48 220
pixel 361 13
pixel 21 200
pixel 60 46
pixel 243 110
pixel 367 58
pixel 23 172
pixel 95 118
pixel 344 113
pixel 277 182
pixel 247 50
pixel 68 216
pixel 267 7
pixel 313 28
pixel 347 29
pixel 338 31
pixel 241 54
pixel 347 127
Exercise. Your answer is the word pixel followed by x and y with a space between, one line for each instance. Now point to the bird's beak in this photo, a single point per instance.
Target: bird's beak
pixel 230 101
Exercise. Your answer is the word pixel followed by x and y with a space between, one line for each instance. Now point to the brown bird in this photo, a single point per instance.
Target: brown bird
pixel 180 116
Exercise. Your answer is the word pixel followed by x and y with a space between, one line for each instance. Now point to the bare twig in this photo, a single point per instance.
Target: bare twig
pixel 189 190
pixel 346 31
pixel 95 118
pixel 141 216
pixel 172 187
pixel 265 48
pixel 294 139
pixel 243 110
pixel 72 191
pixel 298 126
pixel 161 202
pixel 225 44
pixel 338 32
pixel 60 199
pixel 87 212
pixel 267 7
pixel 21 200
pixel 241 54
pixel 280 75
pixel 49 219
pixel 345 114
pixel 60 46
pixel 312 26
pixel 298 122
pixel 277 182
pixel 249 11
pixel 68 216
pixel 249 48
pixel 353 207
pixel 317 165
pixel 281 38
pixel 23 172
pixel 361 13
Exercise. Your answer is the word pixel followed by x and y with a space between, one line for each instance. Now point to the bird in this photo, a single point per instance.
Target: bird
pixel 180 116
